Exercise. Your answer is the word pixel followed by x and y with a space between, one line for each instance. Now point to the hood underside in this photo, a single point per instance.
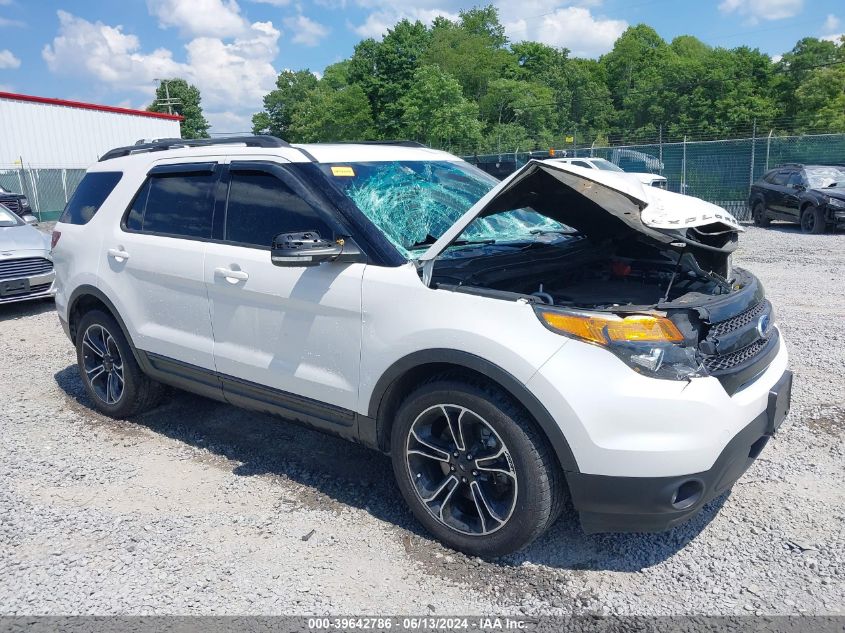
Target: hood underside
pixel 601 205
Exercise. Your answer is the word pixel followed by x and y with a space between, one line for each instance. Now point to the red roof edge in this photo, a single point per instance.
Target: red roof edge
pixel 89 106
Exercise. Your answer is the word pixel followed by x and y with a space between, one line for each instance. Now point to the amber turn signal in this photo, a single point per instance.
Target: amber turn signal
pixel 607 329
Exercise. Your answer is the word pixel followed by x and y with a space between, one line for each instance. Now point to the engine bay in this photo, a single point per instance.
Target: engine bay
pixel 576 272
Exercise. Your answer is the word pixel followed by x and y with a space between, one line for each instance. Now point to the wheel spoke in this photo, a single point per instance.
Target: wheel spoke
pixel 478 494
pixel 443 486
pixel 492 468
pixel 95 372
pixel 112 393
pixel 88 341
pixel 433 452
pixel 455 427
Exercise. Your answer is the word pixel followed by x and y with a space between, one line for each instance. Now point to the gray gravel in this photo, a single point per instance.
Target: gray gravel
pixel 198 508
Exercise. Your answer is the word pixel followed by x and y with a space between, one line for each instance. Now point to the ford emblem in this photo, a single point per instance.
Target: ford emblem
pixel 764 326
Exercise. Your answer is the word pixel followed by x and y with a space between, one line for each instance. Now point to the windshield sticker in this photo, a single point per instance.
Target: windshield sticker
pixel 343 171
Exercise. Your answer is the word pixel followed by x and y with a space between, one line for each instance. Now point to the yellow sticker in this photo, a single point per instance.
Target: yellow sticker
pixel 342 171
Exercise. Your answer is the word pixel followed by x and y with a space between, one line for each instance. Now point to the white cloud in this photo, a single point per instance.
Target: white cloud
pixel 8 60
pixel 756 10
pixel 232 76
pixel 8 22
pixel 214 18
pixel 575 28
pixel 305 30
pixel 831 24
pixel 275 3
pixel 379 21
pixel 555 22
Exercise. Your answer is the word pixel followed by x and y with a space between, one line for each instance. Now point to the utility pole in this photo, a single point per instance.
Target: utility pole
pixel 167 101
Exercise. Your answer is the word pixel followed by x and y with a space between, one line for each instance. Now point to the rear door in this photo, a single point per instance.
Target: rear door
pixel 289 337
pixel 152 262
pixel 777 192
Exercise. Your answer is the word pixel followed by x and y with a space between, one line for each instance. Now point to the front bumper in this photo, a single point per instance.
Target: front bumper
pixel 39 287
pixel 654 504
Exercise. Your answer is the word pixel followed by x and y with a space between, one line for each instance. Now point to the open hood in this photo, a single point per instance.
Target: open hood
pixel 599 204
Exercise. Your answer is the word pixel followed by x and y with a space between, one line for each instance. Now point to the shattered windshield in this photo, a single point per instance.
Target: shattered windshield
pixel 821 177
pixel 415 202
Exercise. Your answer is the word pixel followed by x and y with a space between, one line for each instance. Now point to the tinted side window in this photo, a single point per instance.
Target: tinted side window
pixel 780 177
pixel 579 163
pixel 89 196
pixel 795 178
pixel 180 204
pixel 261 206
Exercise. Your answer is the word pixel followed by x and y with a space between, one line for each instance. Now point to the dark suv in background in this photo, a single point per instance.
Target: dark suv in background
pixel 810 195
pixel 16 202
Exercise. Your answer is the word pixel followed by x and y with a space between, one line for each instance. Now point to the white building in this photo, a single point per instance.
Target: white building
pixel 55 133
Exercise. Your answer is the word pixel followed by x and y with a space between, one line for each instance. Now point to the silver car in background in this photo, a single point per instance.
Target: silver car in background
pixel 26 268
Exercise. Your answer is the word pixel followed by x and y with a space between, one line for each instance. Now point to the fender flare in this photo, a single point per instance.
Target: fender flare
pixel 515 387
pixel 88 290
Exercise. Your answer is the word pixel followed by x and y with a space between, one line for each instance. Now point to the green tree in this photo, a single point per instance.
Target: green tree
pixel 435 112
pixel 185 99
pixel 822 95
pixel 471 50
pixel 329 114
pixel 292 87
pixel 385 70
pixel 529 105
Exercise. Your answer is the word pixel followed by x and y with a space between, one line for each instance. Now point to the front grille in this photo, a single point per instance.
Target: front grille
pixel 12 204
pixel 737 322
pixel 26 267
pixel 715 364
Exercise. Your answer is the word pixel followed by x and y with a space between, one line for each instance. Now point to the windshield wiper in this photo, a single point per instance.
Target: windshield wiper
pixel 426 243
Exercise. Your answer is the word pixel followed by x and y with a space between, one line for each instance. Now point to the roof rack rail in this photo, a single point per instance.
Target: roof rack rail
pixel 398 143
pixel 162 144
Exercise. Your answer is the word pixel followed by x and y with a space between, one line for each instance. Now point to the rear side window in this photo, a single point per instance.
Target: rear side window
pixel 89 196
pixel 780 177
pixel 261 206
pixel 181 205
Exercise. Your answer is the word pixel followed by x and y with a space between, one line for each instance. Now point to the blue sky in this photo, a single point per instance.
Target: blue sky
pixel 111 51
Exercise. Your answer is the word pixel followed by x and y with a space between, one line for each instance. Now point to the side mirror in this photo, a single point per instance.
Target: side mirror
pixel 29 219
pixel 798 187
pixel 304 249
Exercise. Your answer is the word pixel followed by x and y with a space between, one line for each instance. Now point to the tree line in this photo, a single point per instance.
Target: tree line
pixel 461 85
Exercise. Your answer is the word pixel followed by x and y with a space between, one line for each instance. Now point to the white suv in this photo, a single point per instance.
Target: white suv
pixel 645 178
pixel 506 343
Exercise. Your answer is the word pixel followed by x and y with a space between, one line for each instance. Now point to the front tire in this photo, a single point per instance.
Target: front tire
pixel 812 221
pixel 758 214
pixel 109 371
pixel 474 468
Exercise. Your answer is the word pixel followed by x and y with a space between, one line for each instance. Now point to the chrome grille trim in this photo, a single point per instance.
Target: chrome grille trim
pixel 25 267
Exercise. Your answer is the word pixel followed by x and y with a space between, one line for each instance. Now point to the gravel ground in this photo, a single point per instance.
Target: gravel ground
pixel 199 508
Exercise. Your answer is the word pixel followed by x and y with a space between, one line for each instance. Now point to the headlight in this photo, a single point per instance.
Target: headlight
pixel 836 202
pixel 24 202
pixel 650 345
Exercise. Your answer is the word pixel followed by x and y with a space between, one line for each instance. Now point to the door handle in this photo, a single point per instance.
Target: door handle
pixel 232 276
pixel 118 254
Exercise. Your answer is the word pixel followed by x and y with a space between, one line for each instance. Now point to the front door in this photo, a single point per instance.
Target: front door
pixel 288 337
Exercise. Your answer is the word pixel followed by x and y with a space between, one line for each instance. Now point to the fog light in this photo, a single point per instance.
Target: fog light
pixel 687 494
pixel 651 361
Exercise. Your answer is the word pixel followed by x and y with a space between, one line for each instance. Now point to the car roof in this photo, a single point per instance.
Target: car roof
pixel 295 153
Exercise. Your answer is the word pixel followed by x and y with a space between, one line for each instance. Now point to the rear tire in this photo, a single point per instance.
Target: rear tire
pixel 109 371
pixel 474 468
pixel 758 214
pixel 812 221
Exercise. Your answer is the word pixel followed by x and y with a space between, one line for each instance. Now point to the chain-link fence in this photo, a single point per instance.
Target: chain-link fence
pixel 46 189
pixel 717 171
